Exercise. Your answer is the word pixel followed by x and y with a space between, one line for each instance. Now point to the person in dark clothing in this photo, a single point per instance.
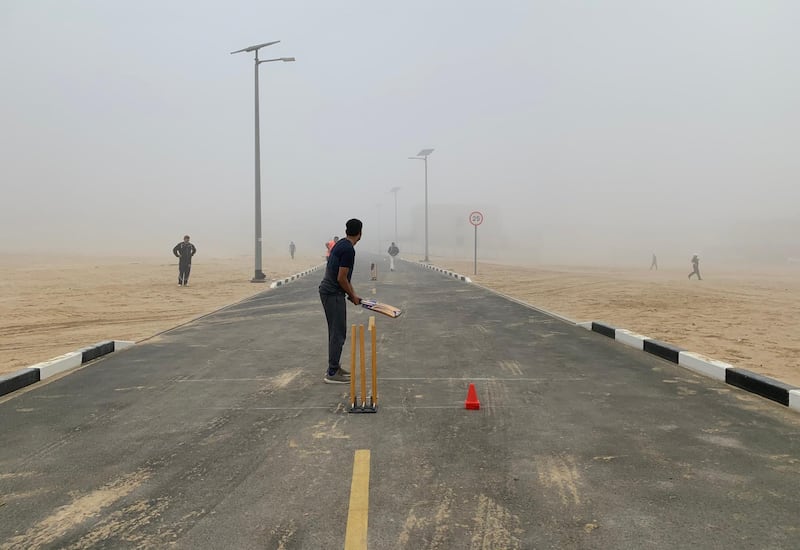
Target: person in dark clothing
pixel 184 252
pixel 334 287
pixel 696 267
pixel 393 251
pixel 292 248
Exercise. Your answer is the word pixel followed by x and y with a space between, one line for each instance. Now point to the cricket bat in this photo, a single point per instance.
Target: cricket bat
pixel 385 309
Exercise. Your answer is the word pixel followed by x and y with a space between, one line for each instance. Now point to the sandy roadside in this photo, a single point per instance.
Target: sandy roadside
pixel 51 307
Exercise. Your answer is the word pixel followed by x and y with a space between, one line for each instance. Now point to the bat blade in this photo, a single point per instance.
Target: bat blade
pixel 379 307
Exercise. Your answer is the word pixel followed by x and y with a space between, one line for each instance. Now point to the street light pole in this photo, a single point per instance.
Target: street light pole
pixel 259 276
pixel 423 155
pixel 395 190
pixel 426 208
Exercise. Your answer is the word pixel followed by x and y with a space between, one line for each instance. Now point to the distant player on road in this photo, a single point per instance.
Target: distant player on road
pixel 329 246
pixel 393 251
pixel 696 267
pixel 184 252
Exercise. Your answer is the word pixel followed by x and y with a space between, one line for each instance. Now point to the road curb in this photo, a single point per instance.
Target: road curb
pixel 18 380
pixel 453 274
pixel 764 386
pixel 287 280
pixel 794 399
pixel 769 388
pixel 41 371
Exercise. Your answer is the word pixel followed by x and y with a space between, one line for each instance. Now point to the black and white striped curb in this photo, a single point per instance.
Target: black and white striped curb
pixel 764 386
pixel 41 371
pixel 447 272
pixel 287 280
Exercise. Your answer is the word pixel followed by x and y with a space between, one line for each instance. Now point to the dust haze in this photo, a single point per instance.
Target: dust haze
pixel 586 133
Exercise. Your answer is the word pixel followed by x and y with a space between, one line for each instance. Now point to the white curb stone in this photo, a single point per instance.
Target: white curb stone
pixel 630 338
pixel 794 399
pixel 58 364
pixel 704 365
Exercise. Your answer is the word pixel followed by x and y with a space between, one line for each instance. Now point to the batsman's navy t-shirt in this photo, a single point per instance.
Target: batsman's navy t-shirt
pixel 343 254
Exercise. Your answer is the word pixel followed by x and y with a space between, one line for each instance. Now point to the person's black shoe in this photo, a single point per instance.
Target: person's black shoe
pixel 337 378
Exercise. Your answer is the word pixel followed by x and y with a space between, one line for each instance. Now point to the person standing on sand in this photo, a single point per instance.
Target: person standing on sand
pixel 292 248
pixel 184 252
pixel 332 290
pixel 654 263
pixel 696 267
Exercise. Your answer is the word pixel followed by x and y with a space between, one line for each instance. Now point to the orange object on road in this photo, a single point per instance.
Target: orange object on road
pixel 472 403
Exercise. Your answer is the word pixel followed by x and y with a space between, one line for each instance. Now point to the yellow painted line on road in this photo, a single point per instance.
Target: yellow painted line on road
pixel 356 535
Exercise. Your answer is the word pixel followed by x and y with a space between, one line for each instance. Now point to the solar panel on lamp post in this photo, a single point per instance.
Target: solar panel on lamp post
pixel 259 276
pixel 423 155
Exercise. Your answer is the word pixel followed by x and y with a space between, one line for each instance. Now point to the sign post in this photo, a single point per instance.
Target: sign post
pixel 476 218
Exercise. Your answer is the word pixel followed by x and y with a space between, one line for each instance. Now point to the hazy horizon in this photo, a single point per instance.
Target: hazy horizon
pixel 586 133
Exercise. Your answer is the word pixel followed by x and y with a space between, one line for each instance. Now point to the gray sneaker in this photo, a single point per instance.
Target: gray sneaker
pixel 337 378
pixel 344 371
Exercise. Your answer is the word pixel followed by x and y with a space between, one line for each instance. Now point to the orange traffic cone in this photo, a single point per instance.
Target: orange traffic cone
pixel 472 403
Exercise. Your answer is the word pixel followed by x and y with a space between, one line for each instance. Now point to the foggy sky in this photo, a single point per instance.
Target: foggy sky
pixel 585 130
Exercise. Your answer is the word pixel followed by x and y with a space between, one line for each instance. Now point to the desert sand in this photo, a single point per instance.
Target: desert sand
pixel 749 318
pixel 50 306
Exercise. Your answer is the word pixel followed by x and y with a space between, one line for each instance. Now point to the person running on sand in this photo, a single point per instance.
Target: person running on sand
pixel 695 267
pixel 654 263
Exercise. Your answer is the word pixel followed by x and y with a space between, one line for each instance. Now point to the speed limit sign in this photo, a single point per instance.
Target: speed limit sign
pixel 476 218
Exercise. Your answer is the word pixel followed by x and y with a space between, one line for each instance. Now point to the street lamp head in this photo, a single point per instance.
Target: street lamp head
pixel 284 59
pixel 256 47
pixel 425 152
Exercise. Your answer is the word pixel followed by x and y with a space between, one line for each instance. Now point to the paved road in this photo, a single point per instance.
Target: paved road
pixel 221 434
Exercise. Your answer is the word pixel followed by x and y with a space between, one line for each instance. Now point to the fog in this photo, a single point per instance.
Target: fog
pixel 586 132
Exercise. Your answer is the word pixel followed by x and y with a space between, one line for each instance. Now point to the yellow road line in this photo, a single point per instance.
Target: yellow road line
pixel 356 536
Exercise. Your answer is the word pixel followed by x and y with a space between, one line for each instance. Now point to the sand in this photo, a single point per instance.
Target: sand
pixel 50 306
pixel 746 318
